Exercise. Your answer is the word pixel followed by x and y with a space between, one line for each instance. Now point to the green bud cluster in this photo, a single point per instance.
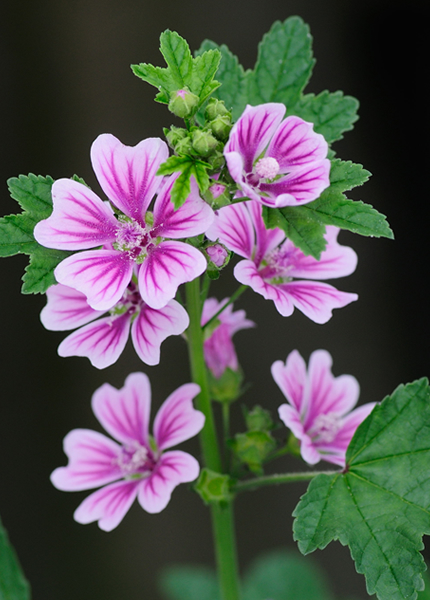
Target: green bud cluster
pixel 183 103
pixel 218 119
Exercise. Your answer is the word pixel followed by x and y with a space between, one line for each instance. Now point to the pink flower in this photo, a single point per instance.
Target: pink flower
pixel 272 263
pixel 319 406
pixel 103 340
pixel 278 163
pixel 218 348
pixel 138 465
pixel 218 254
pixel 81 220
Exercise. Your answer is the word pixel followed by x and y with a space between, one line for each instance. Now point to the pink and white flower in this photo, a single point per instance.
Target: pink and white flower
pixel 103 340
pixel 273 263
pixel 278 163
pixel 137 464
pixel 218 348
pixel 82 221
pixel 319 405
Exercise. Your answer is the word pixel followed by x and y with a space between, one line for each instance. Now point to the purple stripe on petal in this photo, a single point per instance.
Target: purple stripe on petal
pixel 102 275
pixel 92 461
pixel 266 239
pixel 102 341
pixel 80 220
pixel 125 413
pixel 173 468
pixel 66 309
pixel 151 327
pixel 234 228
pixel 291 377
pixel 165 268
pixel 304 184
pixel 127 174
pixel 108 506
pixel 177 420
pixel 192 218
pixel 253 130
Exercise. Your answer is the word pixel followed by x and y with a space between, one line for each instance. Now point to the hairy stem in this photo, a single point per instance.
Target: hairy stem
pixel 253 484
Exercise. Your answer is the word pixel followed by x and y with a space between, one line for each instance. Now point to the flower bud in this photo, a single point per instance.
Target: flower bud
pixel 218 255
pixel 252 448
pixel 183 103
pixel 226 388
pixel 174 135
pixel 203 142
pixel 216 108
pixel 184 146
pixel 213 487
pixel 258 419
pixel 221 127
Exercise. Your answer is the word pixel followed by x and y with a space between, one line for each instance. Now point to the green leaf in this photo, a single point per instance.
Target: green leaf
pixel 345 175
pixel 333 208
pixel 33 194
pixel 281 575
pixel 39 274
pixel 188 583
pixel 174 164
pixel 16 235
pixel 380 504
pixel 232 77
pixel 13 585
pixel 284 64
pixel 182 187
pixel 302 227
pixel 188 167
pixel 204 68
pixel 332 114
pixel 178 58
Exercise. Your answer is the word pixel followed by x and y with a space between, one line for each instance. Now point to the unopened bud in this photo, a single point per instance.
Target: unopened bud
pixel 221 127
pixel 184 146
pixel 203 142
pixel 175 135
pixel 216 108
pixel 183 103
pixel 218 255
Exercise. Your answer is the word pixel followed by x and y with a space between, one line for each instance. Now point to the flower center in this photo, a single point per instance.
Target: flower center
pixel 130 235
pixel 267 168
pixel 326 427
pixel 135 459
pixel 277 265
pixel 131 301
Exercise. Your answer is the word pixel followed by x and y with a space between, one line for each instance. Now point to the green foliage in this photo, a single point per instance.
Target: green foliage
pixel 380 504
pixel 33 194
pixel 332 114
pixel 278 575
pixel 188 167
pixel 13 585
pixel 213 487
pixel 183 71
pixel 284 64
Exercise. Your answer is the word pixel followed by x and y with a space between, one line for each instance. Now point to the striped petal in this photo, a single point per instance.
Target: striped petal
pixel 66 309
pixel 233 227
pixel 291 378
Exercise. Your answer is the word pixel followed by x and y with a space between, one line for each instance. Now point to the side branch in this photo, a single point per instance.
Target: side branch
pixel 253 484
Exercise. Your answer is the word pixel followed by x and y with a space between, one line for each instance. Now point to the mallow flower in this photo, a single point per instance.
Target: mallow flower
pixel 218 347
pixel 114 244
pixel 102 340
pixel 319 405
pixel 275 162
pixel 275 268
pixel 137 464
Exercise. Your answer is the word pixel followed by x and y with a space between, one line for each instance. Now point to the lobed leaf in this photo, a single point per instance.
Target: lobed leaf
pixel 204 68
pixel 13 585
pixel 331 113
pixel 380 504
pixel 16 235
pixel 345 175
pixel 39 274
pixel 178 58
pixel 284 64
pixel 33 194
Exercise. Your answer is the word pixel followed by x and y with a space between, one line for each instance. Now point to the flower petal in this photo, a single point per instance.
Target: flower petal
pixel 165 268
pixel 173 468
pixel 314 299
pixel 79 220
pixel 66 309
pixel 108 506
pixel 266 239
pixel 234 228
pixel 127 174
pixel 102 275
pixel 295 143
pixel 300 186
pixel 219 351
pixel 177 420
pixel 252 132
pixel 102 341
pixel 291 419
pixel 192 218
pixel 291 377
pixel 348 429
pixel 151 327
pixel 125 413
pixel 92 458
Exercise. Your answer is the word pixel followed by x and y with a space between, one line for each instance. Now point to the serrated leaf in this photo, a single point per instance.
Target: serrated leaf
pixel 33 194
pixel 204 68
pixel 345 175
pixel 333 208
pixel 232 77
pixel 284 64
pixel 177 55
pixel 16 235
pixel 182 187
pixel 39 274
pixel 188 583
pixel 281 575
pixel 201 174
pixel 380 504
pixel 303 228
pixel 156 76
pixel 13 585
pixel 174 164
pixel 332 114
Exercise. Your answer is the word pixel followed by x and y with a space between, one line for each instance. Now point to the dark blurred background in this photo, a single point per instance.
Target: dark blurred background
pixel 65 79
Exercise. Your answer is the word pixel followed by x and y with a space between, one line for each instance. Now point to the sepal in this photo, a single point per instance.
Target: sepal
pixel 213 487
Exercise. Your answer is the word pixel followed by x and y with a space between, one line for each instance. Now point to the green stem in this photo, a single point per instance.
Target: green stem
pixel 234 297
pixel 226 433
pixel 252 484
pixel 222 515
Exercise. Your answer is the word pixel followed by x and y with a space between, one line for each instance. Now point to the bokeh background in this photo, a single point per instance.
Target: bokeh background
pixel 64 68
